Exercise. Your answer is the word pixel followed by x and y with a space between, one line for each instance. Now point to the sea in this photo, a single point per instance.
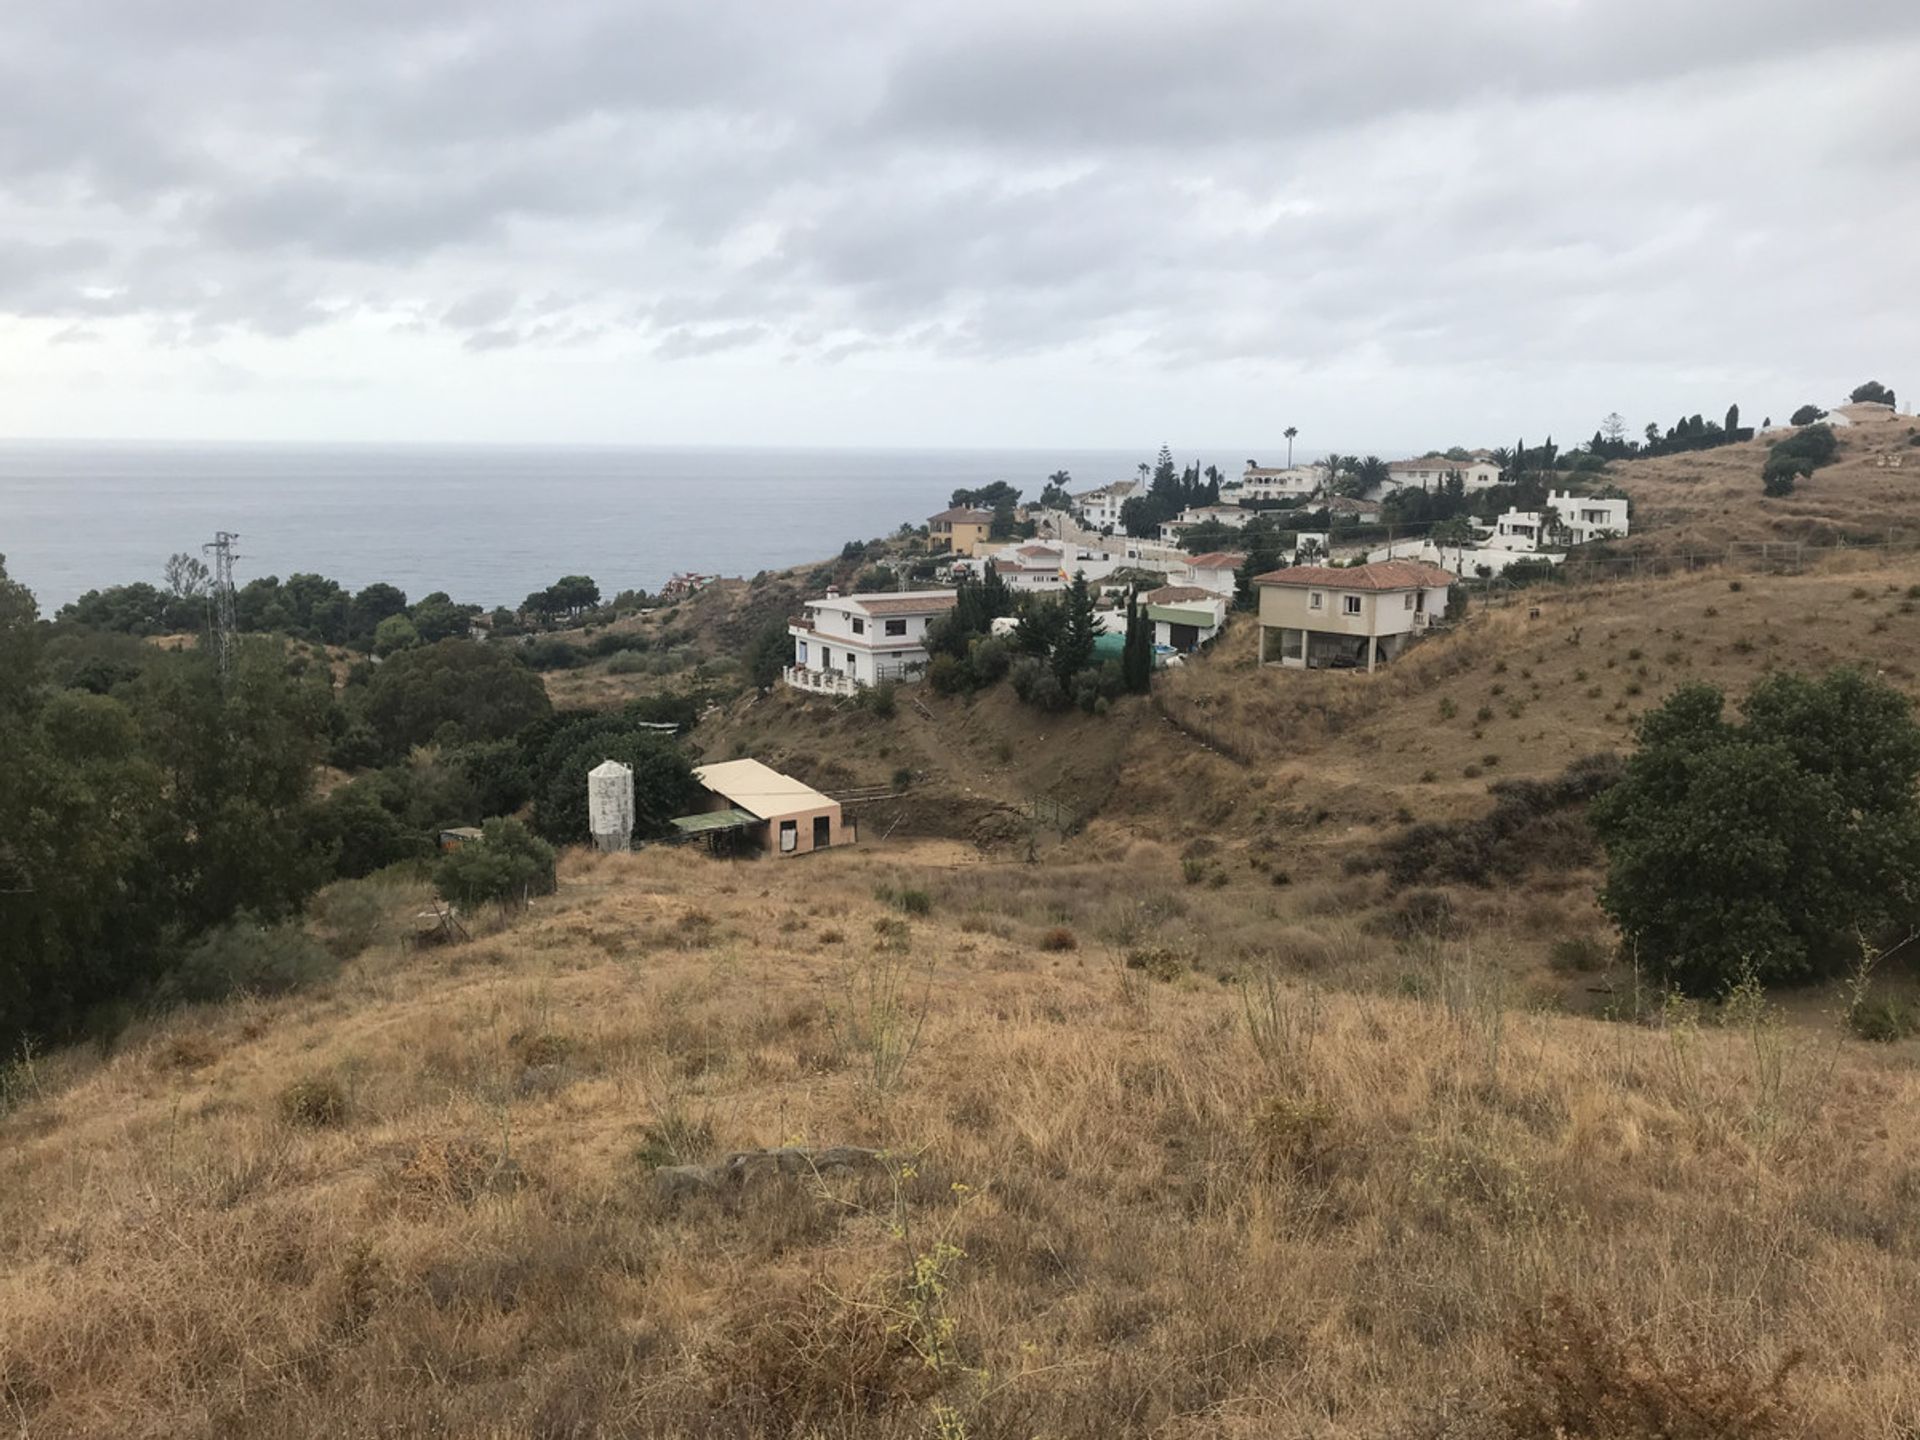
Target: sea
pixel 486 524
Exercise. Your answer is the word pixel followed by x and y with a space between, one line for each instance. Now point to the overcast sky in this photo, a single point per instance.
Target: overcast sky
pixel 1391 223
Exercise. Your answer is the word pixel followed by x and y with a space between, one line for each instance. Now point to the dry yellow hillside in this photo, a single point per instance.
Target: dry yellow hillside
pixel 1112 1201
pixel 1704 500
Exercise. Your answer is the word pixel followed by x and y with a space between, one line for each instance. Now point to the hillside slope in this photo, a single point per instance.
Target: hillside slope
pixel 1711 498
pixel 420 1200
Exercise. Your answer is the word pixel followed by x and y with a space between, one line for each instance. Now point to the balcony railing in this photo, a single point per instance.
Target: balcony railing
pixel 820 682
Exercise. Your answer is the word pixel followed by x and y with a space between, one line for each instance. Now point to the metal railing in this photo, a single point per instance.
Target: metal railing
pixel 820 682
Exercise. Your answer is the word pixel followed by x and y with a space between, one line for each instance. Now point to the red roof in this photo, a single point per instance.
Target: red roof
pixel 1383 575
pixel 1174 594
pixel 963 516
pixel 1218 560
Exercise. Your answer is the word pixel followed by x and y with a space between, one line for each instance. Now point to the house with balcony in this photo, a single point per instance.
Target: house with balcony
pixel 845 642
pixel 1574 520
pixel 1269 483
pixel 959 531
pixel 1432 471
pixel 1315 616
pixel 1031 567
pixel 1100 509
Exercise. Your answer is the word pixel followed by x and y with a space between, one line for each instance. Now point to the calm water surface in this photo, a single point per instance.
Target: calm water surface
pixel 486 524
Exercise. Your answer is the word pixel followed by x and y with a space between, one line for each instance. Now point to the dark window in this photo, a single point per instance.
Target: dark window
pixel 859 626
pixel 896 627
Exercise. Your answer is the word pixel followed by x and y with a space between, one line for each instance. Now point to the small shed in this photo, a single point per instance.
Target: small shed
pixel 454 836
pixel 774 812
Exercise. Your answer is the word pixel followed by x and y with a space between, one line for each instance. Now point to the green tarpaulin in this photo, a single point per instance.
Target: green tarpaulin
pixel 715 820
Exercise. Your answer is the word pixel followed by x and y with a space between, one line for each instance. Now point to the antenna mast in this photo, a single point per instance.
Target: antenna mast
pixel 224 623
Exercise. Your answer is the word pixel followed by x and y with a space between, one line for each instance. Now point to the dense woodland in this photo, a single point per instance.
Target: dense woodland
pixel 152 810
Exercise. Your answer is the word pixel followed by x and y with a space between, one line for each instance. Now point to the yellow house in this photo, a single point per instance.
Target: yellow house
pixel 1353 617
pixel 959 531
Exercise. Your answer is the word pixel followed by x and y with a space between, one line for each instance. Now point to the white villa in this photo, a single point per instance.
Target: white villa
pixel 1466 561
pixel 1582 519
pixel 1431 471
pixel 1260 482
pixel 1313 616
pixel 844 642
pixel 1232 516
pixel 1102 507
pixel 1215 571
pixel 1031 566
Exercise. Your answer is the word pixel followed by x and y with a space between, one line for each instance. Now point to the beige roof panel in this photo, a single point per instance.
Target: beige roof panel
pixel 760 789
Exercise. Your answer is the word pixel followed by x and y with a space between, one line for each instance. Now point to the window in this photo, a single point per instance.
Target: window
pixel 859 626
pixel 1315 600
pixel 789 836
pixel 800 654
pixel 896 627
pixel 1409 604
pixel 1351 604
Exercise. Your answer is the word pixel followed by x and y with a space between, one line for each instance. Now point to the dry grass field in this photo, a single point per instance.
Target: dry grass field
pixel 1707 499
pixel 1198 1194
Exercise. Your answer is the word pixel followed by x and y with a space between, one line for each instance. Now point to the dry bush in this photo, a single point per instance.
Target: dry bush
pixel 812 1353
pixel 1577 1378
pixel 315 1101
pixel 1059 938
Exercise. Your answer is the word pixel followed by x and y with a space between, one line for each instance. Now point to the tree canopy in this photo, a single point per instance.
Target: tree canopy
pixel 1769 846
pixel 480 691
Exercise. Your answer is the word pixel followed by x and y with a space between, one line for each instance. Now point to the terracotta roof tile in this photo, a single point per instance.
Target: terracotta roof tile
pixel 925 602
pixel 1218 560
pixel 1384 575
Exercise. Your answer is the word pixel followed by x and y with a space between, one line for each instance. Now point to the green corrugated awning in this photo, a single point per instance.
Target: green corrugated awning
pixel 1173 615
pixel 734 819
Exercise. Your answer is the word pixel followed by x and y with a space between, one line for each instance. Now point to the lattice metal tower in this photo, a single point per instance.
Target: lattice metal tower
pixel 222 614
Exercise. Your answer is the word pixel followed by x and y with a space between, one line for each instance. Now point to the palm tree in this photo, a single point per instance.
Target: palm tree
pixel 1290 432
pixel 1371 472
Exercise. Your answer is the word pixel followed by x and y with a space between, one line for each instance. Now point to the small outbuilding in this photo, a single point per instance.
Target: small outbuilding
pixel 767 810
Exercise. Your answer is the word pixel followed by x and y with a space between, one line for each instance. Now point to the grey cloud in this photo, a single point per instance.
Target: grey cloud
pixel 1481 184
pixel 685 344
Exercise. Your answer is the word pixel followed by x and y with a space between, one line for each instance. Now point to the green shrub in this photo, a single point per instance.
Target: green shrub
pixel 915 902
pixel 247 957
pixel 507 865
pixel 947 676
pixel 352 913
pixel 628 662
pixel 879 699
pixel 1883 1021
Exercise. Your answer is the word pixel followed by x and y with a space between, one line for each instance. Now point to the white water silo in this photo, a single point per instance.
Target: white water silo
pixel 610 805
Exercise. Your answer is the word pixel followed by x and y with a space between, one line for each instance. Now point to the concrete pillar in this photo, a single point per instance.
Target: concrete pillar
pixel 1263 644
pixel 1373 651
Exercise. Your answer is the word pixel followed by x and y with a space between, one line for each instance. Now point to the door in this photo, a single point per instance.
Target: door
pixel 1184 637
pixel 822 831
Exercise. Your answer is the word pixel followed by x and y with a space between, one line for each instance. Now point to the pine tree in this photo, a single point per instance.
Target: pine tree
pixel 1073 651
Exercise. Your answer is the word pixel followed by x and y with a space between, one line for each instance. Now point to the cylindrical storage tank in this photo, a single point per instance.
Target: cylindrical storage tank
pixel 610 805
